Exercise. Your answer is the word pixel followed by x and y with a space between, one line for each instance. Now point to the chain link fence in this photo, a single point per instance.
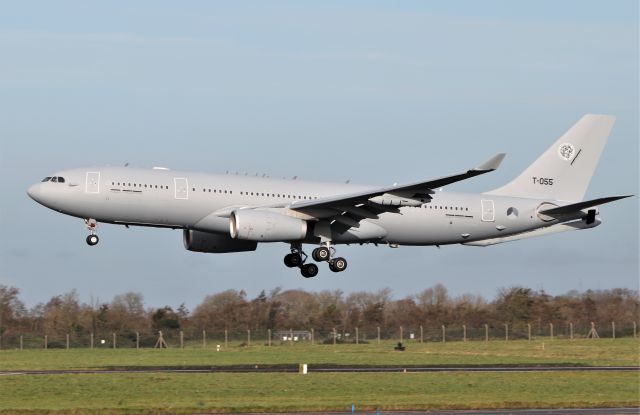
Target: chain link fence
pixel 192 338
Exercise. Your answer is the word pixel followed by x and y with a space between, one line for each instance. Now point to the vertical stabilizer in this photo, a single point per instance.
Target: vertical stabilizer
pixel 564 171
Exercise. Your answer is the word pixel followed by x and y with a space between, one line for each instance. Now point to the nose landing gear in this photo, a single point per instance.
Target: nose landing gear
pixel 92 239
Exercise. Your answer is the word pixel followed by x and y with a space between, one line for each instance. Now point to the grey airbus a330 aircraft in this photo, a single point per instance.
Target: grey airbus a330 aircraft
pixel 232 213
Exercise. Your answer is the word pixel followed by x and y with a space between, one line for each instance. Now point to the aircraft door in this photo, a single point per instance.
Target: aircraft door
pixel 93 182
pixel 181 188
pixel 488 211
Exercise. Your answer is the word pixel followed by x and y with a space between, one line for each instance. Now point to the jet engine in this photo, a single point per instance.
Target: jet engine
pixel 265 226
pixel 214 243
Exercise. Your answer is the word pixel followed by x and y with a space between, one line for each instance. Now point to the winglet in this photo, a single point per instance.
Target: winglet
pixel 492 164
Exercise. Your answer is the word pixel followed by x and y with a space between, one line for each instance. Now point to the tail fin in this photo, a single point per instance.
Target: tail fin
pixel 564 171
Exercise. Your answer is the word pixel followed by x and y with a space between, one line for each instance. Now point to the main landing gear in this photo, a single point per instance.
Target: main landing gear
pixel 92 239
pixel 325 253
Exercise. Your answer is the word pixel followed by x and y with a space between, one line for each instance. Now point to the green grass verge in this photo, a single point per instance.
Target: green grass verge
pixel 223 392
pixel 602 352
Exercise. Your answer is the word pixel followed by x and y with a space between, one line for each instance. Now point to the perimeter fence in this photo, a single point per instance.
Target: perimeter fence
pixel 176 338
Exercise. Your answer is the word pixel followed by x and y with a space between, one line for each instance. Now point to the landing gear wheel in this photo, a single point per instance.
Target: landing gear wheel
pixel 338 264
pixel 321 254
pixel 92 240
pixel 292 260
pixel 309 270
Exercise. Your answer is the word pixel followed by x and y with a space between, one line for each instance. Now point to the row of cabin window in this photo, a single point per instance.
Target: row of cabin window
pixel 151 186
pixel 258 194
pixel 445 207
pixel 214 190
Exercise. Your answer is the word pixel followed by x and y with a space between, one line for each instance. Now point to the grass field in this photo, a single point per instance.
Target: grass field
pixel 184 393
pixel 226 392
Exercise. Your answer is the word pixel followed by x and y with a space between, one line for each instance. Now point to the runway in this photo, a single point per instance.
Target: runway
pixel 289 368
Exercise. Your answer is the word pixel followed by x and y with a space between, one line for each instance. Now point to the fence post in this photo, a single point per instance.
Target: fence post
pixel 313 337
pixel 506 332
pixel 114 340
pixel 269 337
pixel 486 332
pixel 226 339
pixel 46 341
pixel 444 334
pixel 248 337
pixel 378 334
pixel 464 332
pixel 181 339
pixel 529 331
pixel 634 330
pixel 67 341
pixel 91 339
pixel 335 334
pixel 21 342
pixel 401 334
pixel 613 329
pixel 291 336
pixel 421 335
pixel 137 340
pixel 204 339
pixel 357 338
pixel 551 330
pixel 571 331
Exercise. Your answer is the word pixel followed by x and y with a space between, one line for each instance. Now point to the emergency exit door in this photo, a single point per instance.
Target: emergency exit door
pixel 488 212
pixel 93 182
pixel 181 188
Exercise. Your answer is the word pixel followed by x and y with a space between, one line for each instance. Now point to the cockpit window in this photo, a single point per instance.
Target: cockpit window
pixel 54 179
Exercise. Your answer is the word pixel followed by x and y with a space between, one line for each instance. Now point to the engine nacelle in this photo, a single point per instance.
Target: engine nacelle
pixel 265 226
pixel 214 243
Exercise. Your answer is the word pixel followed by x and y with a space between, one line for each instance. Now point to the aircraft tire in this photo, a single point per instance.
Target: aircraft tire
pixel 292 260
pixel 321 254
pixel 338 264
pixel 92 240
pixel 309 270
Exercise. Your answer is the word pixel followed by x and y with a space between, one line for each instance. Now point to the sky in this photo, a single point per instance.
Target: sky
pixel 376 92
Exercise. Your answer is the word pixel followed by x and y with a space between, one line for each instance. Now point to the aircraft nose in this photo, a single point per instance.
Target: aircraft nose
pixel 34 191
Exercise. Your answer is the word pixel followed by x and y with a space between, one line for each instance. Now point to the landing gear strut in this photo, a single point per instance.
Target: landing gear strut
pixel 92 239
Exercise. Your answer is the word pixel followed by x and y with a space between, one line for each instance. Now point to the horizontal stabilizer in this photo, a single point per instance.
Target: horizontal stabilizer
pixel 576 207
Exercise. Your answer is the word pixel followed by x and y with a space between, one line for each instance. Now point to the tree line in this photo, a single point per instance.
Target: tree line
pixel 324 311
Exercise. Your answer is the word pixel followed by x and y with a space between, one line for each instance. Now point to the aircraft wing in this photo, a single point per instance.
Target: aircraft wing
pixel 373 201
